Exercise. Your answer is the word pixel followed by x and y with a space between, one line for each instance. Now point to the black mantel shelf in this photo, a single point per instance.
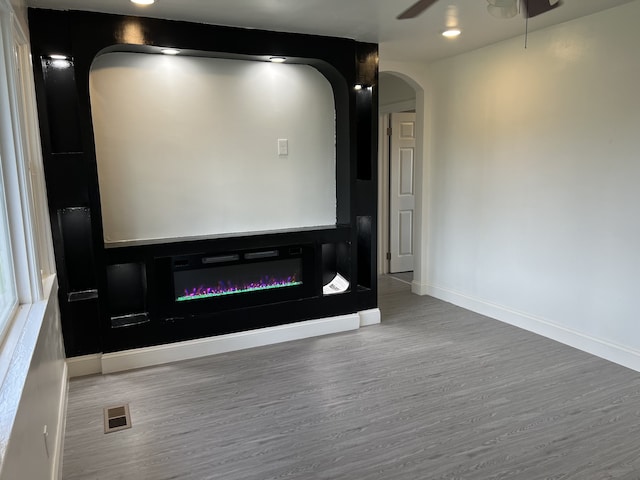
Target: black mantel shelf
pixel 205 238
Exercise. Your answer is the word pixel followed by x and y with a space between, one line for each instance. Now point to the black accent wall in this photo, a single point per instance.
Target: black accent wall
pixel 116 298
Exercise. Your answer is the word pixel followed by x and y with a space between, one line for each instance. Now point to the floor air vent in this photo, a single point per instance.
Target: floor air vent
pixel 117 418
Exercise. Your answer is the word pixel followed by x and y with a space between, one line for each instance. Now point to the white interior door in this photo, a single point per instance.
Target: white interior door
pixel 402 191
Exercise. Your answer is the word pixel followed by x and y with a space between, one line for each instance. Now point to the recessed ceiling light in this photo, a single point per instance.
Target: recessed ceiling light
pixel 277 59
pixel 143 2
pixel 451 32
pixel 170 51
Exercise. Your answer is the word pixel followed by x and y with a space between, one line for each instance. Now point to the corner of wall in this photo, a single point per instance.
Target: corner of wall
pixel 84 365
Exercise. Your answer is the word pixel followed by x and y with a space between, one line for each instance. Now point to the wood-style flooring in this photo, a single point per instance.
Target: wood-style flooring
pixel 434 392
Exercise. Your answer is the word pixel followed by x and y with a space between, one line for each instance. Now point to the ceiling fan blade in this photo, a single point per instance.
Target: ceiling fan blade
pixel 416 9
pixel 533 8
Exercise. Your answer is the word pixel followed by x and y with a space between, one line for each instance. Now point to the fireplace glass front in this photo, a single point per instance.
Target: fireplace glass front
pixel 236 279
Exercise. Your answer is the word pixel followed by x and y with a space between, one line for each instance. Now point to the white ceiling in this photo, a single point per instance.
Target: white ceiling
pixel 365 20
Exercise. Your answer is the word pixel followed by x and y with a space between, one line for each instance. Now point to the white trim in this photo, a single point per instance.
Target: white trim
pixel 383 193
pixel 601 348
pixel 58 449
pixel 94 364
pixel 8 191
pixel 15 182
pixel 11 341
pixel 34 164
pixel 404 106
pixel 174 352
pixel 369 317
pixel 419 288
pixel 84 365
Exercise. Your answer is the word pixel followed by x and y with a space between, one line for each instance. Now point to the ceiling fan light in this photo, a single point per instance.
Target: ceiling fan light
pixel 451 32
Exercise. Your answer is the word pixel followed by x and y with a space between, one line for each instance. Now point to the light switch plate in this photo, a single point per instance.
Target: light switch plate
pixel 283 146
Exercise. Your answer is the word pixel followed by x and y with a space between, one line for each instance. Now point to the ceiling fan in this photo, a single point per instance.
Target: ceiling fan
pixel 530 8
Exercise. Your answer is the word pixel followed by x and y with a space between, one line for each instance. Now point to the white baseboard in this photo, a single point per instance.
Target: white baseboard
pixel 58 449
pixel 174 352
pixel 84 365
pixel 601 348
pixel 369 317
pixel 420 289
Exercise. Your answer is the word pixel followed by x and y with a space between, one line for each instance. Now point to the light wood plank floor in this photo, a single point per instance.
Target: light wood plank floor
pixel 434 392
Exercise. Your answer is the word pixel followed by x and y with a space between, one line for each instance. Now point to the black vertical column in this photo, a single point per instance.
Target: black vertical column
pixel 66 172
pixel 366 189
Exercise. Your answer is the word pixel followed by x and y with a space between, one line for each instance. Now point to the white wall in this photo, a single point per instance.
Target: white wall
pixel 532 209
pixel 187 146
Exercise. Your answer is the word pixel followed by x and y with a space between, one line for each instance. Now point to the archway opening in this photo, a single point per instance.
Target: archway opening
pixel 401 226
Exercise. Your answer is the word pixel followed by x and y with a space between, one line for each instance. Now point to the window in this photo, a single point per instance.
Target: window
pixel 25 254
pixel 8 295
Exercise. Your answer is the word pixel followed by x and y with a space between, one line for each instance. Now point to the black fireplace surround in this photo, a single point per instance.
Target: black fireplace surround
pixel 141 294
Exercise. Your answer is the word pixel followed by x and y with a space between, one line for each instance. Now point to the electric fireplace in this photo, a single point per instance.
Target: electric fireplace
pixel 211 282
pixel 236 279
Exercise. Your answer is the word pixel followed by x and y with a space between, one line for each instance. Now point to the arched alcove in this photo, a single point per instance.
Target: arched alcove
pixel 227 131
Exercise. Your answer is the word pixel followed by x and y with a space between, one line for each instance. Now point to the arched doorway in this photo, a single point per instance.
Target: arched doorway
pixel 401 232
